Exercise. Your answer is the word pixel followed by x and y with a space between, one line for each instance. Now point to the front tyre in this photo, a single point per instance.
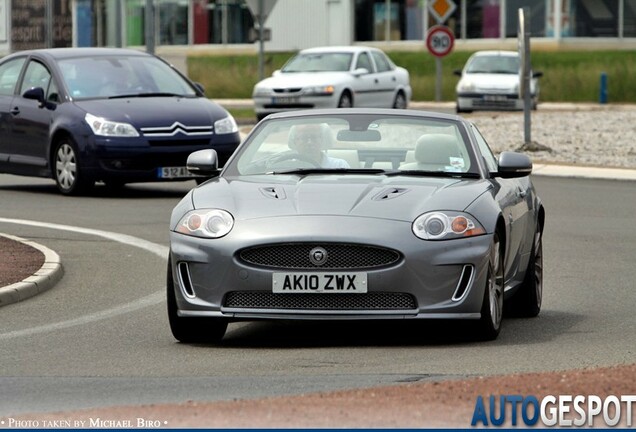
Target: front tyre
pixel 492 306
pixel 191 330
pixel 346 101
pixel 67 169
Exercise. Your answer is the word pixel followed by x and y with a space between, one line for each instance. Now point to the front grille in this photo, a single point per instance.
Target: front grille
pixel 376 301
pixel 339 256
pixel 509 103
pixel 287 90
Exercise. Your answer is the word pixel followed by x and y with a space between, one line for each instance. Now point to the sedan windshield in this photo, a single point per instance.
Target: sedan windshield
pixel 319 62
pixel 365 144
pixel 494 64
pixel 117 76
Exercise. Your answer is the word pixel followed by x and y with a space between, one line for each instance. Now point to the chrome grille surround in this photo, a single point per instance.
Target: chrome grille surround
pixel 373 301
pixel 340 256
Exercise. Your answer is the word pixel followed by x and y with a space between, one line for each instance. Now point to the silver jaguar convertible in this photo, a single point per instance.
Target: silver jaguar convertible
pixel 361 214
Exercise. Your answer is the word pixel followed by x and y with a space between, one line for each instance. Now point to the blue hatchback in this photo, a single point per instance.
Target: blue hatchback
pixel 81 115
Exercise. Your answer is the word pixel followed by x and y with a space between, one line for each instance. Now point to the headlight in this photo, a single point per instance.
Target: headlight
pixel 446 226
pixel 260 91
pixel 466 86
pixel 104 127
pixel 225 125
pixel 320 90
pixel 206 223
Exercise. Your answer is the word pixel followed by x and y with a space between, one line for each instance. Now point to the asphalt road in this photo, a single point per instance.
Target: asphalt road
pixel 101 337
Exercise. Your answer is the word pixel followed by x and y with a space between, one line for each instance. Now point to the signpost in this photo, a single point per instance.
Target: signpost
pixel 439 38
pixel 260 10
pixel 523 42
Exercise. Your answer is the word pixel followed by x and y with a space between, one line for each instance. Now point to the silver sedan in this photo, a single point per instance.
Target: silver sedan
pixel 356 214
pixel 330 77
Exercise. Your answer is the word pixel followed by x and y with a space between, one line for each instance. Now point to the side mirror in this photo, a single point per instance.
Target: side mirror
pixel 513 165
pixel 276 72
pixel 537 74
pixel 203 162
pixel 457 72
pixel 35 93
pixel 360 71
pixel 200 87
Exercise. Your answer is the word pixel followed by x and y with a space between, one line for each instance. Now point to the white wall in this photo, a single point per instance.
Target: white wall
pixel 298 24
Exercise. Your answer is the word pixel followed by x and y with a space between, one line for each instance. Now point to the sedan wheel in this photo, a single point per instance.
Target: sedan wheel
pixel 191 330
pixel 527 301
pixel 492 307
pixel 345 100
pixel 400 101
pixel 68 175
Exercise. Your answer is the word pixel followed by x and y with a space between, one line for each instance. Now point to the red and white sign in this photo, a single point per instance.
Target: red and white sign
pixel 440 40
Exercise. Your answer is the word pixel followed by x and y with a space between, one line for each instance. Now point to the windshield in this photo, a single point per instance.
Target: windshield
pixel 319 62
pixel 356 143
pixel 112 76
pixel 494 64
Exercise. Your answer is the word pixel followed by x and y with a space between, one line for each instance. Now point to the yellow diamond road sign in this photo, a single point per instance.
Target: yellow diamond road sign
pixel 441 9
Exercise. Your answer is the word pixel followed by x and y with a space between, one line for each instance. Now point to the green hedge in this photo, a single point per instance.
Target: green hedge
pixel 571 76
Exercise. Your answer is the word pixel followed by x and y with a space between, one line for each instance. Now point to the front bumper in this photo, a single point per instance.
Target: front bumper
pixel 490 101
pixel 139 159
pixel 209 274
pixel 273 104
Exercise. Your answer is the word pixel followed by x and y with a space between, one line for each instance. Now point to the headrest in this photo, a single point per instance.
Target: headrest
pixel 436 149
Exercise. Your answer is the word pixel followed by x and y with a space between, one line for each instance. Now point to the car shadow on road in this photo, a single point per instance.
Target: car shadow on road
pixel 321 334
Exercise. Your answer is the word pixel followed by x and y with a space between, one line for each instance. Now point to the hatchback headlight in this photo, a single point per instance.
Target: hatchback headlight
pixel 466 86
pixel 103 127
pixel 210 223
pixel 446 225
pixel 225 125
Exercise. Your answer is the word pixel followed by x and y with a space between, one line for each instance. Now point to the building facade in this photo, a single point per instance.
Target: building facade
pixel 296 24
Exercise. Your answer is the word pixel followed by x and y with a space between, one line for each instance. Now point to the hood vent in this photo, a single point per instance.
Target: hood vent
pixel 389 194
pixel 273 192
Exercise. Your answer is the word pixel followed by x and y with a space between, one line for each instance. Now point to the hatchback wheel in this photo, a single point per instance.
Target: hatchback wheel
pixel 68 173
pixel 492 307
pixel 191 330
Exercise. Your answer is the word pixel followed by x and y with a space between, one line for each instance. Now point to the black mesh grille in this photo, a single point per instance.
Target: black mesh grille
pixel 339 256
pixel 341 302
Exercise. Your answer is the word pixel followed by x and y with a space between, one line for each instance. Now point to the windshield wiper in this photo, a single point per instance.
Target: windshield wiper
pixel 144 95
pixel 305 171
pixel 422 173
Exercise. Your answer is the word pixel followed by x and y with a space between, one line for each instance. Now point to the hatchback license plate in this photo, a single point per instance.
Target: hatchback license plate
pixel 173 172
pixel 337 283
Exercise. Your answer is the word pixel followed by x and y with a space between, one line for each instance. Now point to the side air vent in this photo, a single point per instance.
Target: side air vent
pixel 464 282
pixel 184 278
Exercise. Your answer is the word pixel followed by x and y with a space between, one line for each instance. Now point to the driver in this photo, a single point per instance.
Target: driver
pixel 311 141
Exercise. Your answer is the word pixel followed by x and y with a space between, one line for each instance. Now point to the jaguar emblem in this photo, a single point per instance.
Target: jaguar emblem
pixel 318 256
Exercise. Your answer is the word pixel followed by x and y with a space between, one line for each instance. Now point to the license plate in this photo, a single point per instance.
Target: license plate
pixel 336 283
pixel 173 172
pixel 495 98
pixel 285 100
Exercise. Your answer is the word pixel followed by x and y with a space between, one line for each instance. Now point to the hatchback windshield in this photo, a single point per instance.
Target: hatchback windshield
pixel 356 143
pixel 110 76
pixel 494 64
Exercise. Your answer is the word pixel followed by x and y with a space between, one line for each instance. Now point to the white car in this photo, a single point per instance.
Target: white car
pixel 334 77
pixel 490 81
